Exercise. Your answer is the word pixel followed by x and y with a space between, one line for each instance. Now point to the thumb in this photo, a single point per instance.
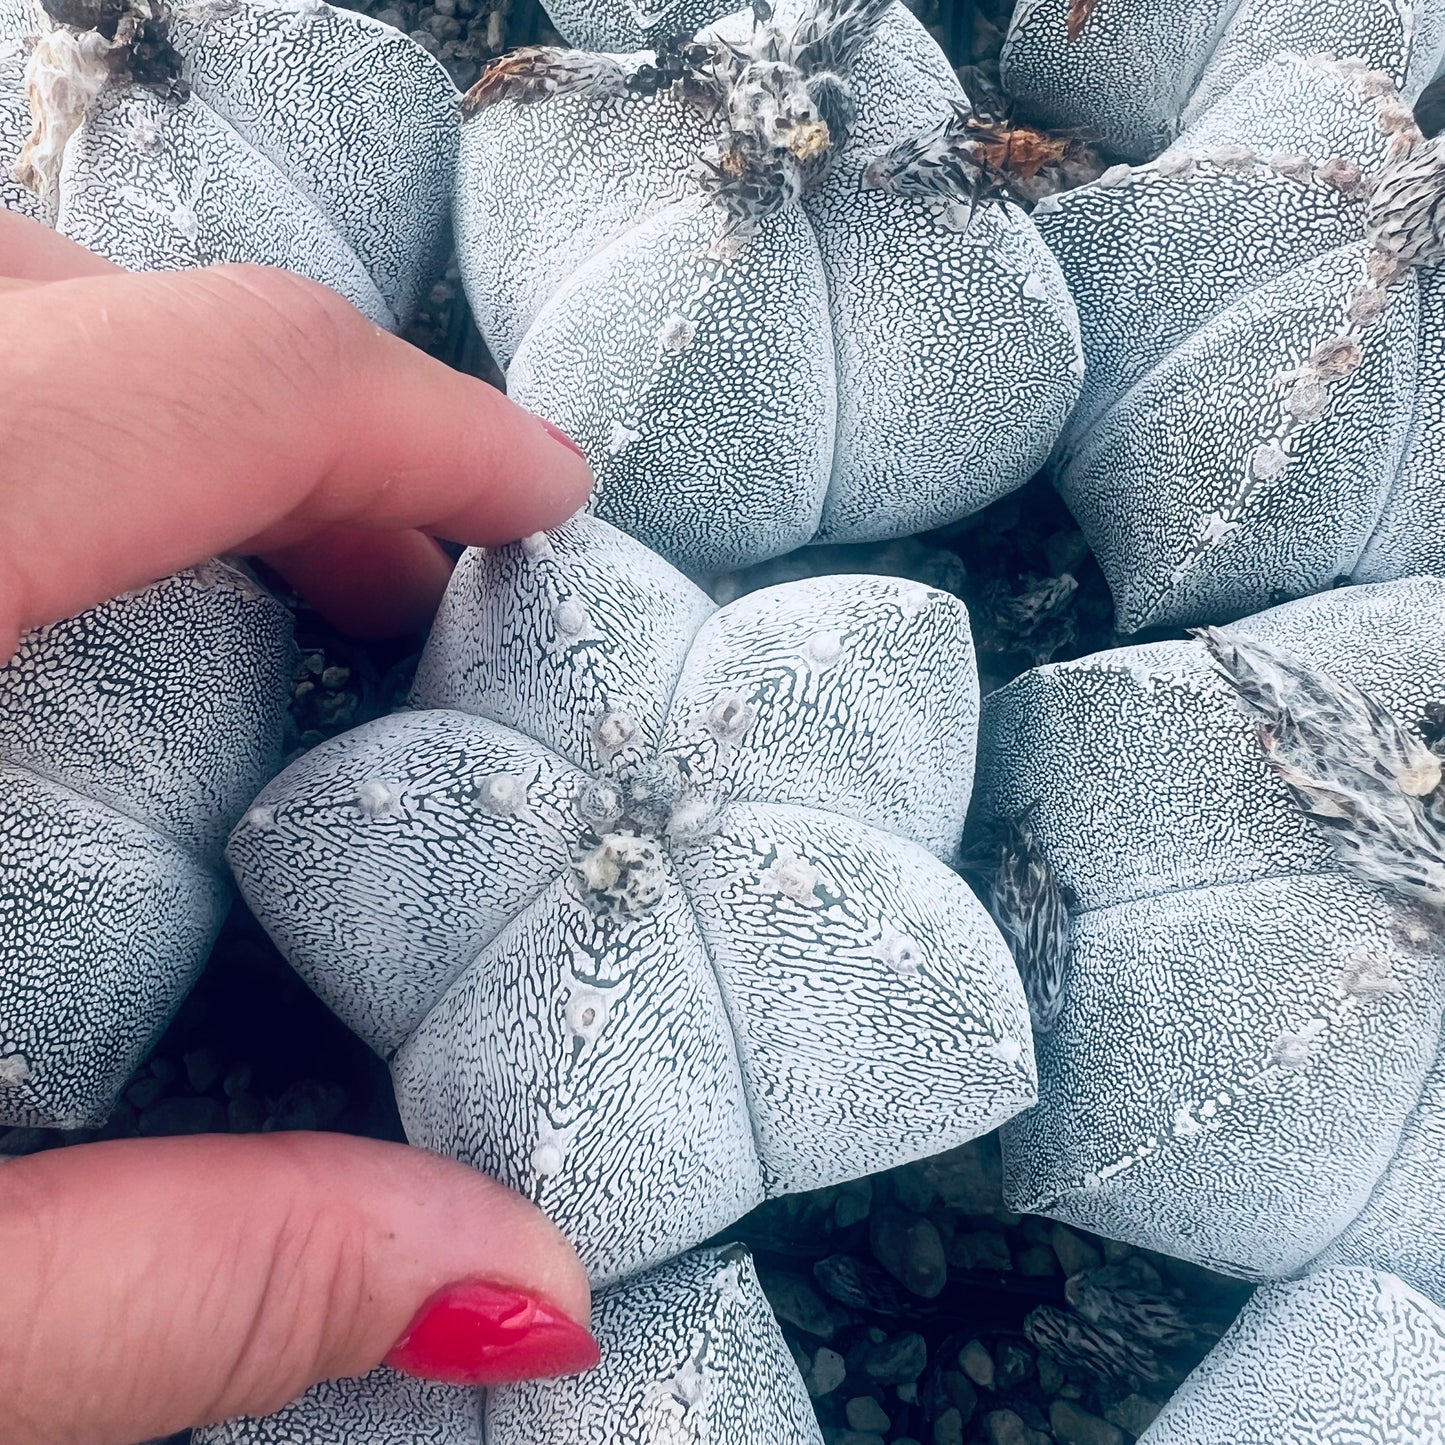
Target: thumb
pixel 152 1285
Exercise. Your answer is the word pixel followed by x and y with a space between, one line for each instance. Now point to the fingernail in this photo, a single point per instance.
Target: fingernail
pixel 558 435
pixel 480 1333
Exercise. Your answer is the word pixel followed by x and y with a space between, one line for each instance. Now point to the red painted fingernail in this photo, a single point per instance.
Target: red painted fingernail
pixel 480 1333
pixel 558 435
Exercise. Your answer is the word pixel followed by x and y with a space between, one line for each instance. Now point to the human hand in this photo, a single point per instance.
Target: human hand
pixel 150 421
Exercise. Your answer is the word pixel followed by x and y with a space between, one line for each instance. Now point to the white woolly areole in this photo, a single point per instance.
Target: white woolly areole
pixel 63 78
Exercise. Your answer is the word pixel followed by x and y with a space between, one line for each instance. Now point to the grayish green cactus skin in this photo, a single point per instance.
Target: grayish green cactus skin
pixel 1246 1067
pixel 1341 1357
pixel 1140 71
pixel 864 366
pixel 131 738
pixel 566 894
pixel 1264 409
pixel 314 139
pixel 690 1352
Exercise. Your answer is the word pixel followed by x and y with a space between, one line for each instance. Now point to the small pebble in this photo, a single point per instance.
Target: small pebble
pixel 1134 1413
pixel 1074 1426
pixel 797 1302
pixel 898 1359
pixel 145 1092
pixel 827 1373
pixel 948 1428
pixel 961 1394
pixel 853 1203
pixel 984 1249
pixel 245 1114
pixel 1012 1364
pixel 1051 1378
pixel 910 1249
pixel 976 1362
pixel 1074 1253
pixel 238 1081
pixel 1006 1428
pixel 863 1412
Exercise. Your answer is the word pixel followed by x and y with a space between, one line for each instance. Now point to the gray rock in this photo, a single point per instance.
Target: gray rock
pixel 1134 1413
pixel 1052 1379
pixel 1074 1253
pixel 799 1304
pixel 948 1428
pixel 896 1359
pixel 1074 1426
pixel 980 1249
pixel 308 1104
pixel 245 1114
pixel 182 1116
pixel 908 1392
pixel 913 1189
pixel 1037 1261
pixel 145 1092
pixel 237 1081
pixel 976 1362
pixel 1012 1364
pixel 1006 1428
pixel 961 1394
pixel 910 1249
pixel 854 1201
pixel 865 1413
pixel 827 1373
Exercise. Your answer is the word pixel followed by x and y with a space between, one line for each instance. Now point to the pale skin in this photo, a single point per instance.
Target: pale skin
pixel 150 421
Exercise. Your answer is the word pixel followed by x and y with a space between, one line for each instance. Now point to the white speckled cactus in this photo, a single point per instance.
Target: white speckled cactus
pixel 1342 1357
pixel 1245 1069
pixel 1139 71
pixel 757 341
pixel 289 134
pixel 690 1351
pixel 1264 411
pixel 131 739
pixel 648 902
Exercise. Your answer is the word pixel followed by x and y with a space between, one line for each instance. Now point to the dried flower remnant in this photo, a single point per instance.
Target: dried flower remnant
pixel 1118 1297
pixel 1090 1349
pixel 95 43
pixel 1029 905
pixel 1079 13
pixel 1372 785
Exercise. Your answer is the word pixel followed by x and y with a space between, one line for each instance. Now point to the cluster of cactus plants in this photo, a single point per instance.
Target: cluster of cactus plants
pixel 651 904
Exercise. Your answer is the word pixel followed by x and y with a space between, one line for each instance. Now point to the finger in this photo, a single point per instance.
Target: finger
pixel 30 251
pixel 151 420
pixel 366 582
pixel 152 1285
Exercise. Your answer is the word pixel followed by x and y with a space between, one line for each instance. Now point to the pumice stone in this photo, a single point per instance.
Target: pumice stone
pixel 1133 73
pixel 690 1352
pixel 747 274
pixel 131 739
pixel 1341 1357
pixel 649 904
pixel 1263 314
pixel 1242 1063
pixel 278 132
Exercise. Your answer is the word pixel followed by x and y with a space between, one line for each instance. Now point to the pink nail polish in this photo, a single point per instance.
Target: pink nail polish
pixel 558 435
pixel 479 1333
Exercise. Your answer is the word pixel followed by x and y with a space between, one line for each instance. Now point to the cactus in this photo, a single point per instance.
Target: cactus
pixel 763 323
pixel 648 901
pixel 690 1352
pixel 131 738
pixel 1261 309
pixel 1134 73
pixel 1245 1066
pixel 281 132
pixel 1339 1356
